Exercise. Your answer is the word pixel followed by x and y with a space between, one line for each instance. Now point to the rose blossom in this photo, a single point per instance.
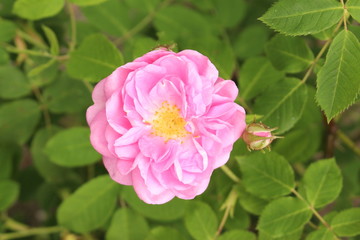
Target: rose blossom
pixel 164 122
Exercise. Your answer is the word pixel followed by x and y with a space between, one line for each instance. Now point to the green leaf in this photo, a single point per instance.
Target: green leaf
pixel 282 104
pixel 72 148
pixel 237 235
pixel 338 81
pixel 295 235
pixel 9 193
pixel 201 221
pixel 322 182
pixel 48 170
pixel 4 56
pixel 18 120
pixel 257 74
pixel 13 83
pixel 266 175
pixel 240 220
pixel 284 216
pixel 67 95
pixel 302 142
pixel 170 211
pixel 289 54
pixel 6 155
pixel 229 13
pixel 37 9
pixel 293 17
pixel 162 232
pixel 321 234
pixel 250 202
pixel 51 37
pixel 250 41
pixel 347 223
pixel 90 206
pixel 143 45
pixel 95 59
pixel 7 30
pixel 111 17
pixel 127 224
pixel 87 2
pixel 42 71
pixel 146 6
pixel 353 6
pixel 188 23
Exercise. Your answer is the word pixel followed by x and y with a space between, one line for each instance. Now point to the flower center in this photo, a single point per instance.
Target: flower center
pixel 168 122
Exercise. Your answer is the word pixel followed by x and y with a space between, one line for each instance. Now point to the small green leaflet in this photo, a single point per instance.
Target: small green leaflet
pixel 289 54
pixel 90 206
pixel 322 182
pixel 71 148
pixel 282 104
pixel 267 175
pixel 127 224
pixel 284 216
pixel 338 82
pixel 37 9
pixel 353 6
pixel 294 17
pixel 9 193
pixel 95 59
pixel 347 223
pixel 201 221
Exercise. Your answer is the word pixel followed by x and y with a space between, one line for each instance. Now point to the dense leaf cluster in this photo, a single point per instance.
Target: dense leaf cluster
pixel 296 63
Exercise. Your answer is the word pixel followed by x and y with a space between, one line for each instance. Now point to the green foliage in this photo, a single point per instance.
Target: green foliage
pixel 201 221
pixel 282 104
pixel 13 83
pixel 129 224
pixel 289 54
pixel 37 9
pixel 7 30
pixel 9 193
pixel 90 206
pixel 53 184
pixel 257 74
pixel 238 234
pixel 18 120
pixel 87 2
pixel 283 217
pixel 267 175
pixel 322 182
pixel 95 59
pixel 71 148
pixel 292 17
pixel 170 211
pixel 338 80
pixel 347 223
pixel 353 6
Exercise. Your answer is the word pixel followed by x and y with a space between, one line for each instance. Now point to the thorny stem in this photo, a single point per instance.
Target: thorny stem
pixel 344 15
pixel 230 174
pixel 88 86
pixel 31 232
pixel 229 206
pixel 348 142
pixel 40 99
pixel 316 213
pixel 35 41
pixel 73 27
pixel 142 24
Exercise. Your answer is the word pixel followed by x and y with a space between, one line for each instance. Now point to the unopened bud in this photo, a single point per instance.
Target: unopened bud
pixel 258 136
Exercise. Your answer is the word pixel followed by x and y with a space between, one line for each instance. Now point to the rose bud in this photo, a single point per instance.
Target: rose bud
pixel 258 136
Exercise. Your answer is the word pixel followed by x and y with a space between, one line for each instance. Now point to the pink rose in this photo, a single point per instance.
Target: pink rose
pixel 164 122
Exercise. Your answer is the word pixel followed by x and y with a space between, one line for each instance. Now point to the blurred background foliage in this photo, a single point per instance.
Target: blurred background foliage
pixel 52 182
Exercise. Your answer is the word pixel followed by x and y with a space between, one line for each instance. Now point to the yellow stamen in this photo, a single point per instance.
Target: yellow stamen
pixel 168 122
